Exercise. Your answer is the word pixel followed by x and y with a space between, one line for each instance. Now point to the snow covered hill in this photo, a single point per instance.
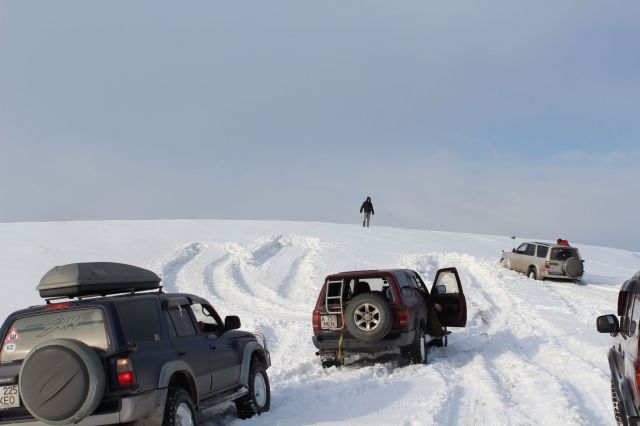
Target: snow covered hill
pixel 529 355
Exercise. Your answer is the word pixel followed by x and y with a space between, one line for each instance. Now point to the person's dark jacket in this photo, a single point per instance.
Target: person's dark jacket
pixel 367 206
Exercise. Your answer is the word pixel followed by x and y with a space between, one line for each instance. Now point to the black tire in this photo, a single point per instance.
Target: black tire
pixel 618 408
pixel 416 352
pixel 73 376
pixel 178 400
pixel 533 274
pixel 258 400
pixel 368 317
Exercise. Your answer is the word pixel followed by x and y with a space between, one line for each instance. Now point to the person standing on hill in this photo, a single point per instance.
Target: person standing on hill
pixel 367 207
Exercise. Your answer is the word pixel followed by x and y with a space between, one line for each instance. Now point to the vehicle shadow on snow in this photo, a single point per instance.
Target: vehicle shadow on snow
pixel 334 395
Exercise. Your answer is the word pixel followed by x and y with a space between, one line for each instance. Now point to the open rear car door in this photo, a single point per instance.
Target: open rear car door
pixel 447 291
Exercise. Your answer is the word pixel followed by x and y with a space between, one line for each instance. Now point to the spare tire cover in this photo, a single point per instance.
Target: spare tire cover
pixel 573 267
pixel 61 381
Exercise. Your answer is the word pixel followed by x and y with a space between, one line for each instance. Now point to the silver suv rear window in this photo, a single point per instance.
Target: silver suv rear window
pixel 86 325
pixel 563 254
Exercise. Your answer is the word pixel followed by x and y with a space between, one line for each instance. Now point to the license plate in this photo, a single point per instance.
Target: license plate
pixel 329 321
pixel 9 397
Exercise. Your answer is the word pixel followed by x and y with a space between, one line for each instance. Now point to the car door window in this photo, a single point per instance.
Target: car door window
pixel 207 319
pixel 521 249
pixel 446 283
pixel 542 251
pixel 635 316
pixel 182 322
pixel 625 320
pixel 530 250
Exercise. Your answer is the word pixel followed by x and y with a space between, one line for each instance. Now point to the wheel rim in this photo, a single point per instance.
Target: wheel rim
pixel 367 317
pixel 532 275
pixel 260 390
pixel 184 416
pixel 423 349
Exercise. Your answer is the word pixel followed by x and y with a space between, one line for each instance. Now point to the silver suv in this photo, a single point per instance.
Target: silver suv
pixel 545 261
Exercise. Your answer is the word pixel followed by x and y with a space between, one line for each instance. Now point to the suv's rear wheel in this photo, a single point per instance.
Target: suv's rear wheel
pixel 368 317
pixel 416 352
pixel 532 273
pixel 179 409
pixel 258 400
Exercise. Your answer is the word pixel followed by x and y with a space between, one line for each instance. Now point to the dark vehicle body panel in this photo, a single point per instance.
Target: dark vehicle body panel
pixel 623 356
pixel 217 361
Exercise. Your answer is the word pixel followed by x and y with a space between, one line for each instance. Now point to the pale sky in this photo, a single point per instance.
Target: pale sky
pixel 502 117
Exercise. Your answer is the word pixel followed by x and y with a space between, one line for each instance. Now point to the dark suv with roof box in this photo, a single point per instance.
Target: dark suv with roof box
pixel 385 311
pixel 109 347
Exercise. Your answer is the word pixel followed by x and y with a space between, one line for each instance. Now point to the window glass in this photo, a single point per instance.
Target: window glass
pixel 634 315
pixel 401 277
pixel 542 251
pixel 530 250
pixel 448 280
pixel 206 318
pixel 181 321
pixel 562 254
pixel 86 325
pixel 140 320
pixel 366 284
pixel 521 248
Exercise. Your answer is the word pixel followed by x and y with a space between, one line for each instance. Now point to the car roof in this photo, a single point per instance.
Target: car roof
pixel 368 273
pixel 550 245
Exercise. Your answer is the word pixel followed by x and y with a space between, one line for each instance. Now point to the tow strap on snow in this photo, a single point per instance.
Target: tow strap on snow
pixel 339 356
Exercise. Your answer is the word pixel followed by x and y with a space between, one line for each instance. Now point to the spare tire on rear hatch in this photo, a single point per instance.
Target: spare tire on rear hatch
pixel 574 267
pixel 368 317
pixel 61 381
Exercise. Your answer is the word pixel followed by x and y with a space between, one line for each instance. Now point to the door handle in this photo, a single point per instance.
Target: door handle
pixel 212 347
pixel 181 353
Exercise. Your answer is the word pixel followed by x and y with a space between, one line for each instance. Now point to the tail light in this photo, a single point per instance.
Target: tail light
pixel 547 265
pixel 315 319
pixel 402 318
pixel 124 370
pixel 58 305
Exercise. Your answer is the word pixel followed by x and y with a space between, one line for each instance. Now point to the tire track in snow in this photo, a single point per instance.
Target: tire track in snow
pixel 177 260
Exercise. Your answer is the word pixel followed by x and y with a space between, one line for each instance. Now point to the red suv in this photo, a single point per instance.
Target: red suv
pixel 624 360
pixel 385 310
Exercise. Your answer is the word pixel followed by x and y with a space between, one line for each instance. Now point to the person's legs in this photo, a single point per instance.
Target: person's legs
pixel 367 218
pixel 435 326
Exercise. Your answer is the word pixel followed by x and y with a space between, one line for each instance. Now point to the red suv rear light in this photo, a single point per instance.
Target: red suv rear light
pixel 402 318
pixel 547 265
pixel 58 305
pixel 124 371
pixel 315 319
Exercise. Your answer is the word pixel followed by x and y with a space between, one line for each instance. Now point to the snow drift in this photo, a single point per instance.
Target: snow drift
pixel 529 354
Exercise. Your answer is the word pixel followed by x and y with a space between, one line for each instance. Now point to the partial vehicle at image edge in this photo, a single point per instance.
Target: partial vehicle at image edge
pixel 623 355
pixel 110 347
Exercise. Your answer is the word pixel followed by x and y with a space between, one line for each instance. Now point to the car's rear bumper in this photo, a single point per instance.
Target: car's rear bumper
pixel 331 342
pixel 545 274
pixel 148 406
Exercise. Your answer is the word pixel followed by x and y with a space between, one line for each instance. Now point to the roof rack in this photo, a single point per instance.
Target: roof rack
pixel 78 280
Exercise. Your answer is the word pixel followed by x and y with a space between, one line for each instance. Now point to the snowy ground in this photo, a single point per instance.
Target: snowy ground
pixel 529 355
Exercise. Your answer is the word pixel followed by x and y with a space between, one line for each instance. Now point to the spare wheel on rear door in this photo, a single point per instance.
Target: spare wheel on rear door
pixel 369 317
pixel 574 267
pixel 61 381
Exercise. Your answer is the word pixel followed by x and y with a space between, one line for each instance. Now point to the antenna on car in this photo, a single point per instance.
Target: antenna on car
pixel 355 263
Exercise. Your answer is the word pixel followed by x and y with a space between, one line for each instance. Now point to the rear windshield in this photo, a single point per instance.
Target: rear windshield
pixel 354 286
pixel 86 325
pixel 563 254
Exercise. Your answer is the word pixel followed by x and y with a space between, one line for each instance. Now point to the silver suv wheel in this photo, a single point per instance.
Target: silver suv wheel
pixel 366 317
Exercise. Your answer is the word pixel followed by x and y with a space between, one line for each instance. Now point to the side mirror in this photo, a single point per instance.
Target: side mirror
pixel 513 250
pixel 608 324
pixel 231 322
pixel 441 289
